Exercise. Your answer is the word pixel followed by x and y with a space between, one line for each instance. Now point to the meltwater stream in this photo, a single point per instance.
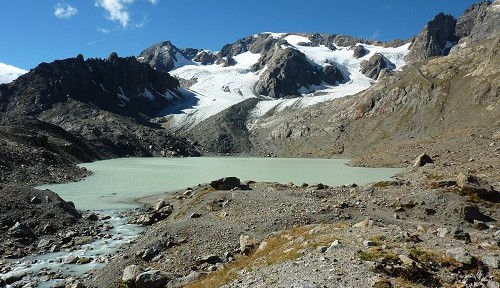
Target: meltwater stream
pixel 115 184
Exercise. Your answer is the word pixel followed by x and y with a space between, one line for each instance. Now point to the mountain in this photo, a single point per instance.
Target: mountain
pixel 283 67
pixel 8 73
pixel 75 110
pixel 423 99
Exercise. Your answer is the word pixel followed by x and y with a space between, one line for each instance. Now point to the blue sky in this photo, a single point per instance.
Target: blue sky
pixel 35 31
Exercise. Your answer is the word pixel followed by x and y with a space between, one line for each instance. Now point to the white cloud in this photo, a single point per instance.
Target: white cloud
pixel 117 10
pixel 64 10
pixel 375 35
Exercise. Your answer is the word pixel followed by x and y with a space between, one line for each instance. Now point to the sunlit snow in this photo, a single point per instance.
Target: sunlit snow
pixel 216 87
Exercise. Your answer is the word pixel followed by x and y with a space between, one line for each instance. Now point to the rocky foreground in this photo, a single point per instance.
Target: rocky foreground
pixel 420 230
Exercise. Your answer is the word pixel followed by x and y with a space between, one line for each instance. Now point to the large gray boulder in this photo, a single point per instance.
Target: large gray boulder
pixel 130 273
pixel 433 39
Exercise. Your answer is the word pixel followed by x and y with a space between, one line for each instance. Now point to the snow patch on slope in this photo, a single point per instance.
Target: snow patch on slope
pixel 216 87
pixel 9 73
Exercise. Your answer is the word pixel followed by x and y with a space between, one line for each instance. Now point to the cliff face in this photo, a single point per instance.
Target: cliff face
pixel 119 85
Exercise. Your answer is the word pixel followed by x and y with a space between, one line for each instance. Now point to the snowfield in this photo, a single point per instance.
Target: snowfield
pixel 217 88
pixel 9 73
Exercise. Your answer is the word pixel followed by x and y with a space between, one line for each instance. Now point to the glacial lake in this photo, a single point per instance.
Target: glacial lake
pixel 116 183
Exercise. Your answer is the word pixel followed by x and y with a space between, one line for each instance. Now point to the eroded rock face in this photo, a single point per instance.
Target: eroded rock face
pixel 432 40
pixel 375 65
pixel 288 70
pixel 359 51
pixel 119 85
pixel 471 17
pixel 205 58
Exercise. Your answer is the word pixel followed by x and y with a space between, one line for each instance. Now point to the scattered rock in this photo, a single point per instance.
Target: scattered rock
pixel 20 230
pixel 195 215
pixel 35 200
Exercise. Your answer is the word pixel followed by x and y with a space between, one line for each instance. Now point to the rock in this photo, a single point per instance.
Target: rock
pixel 480 225
pixel 129 275
pixel 205 58
pixel 211 259
pixel 359 51
pixel 460 234
pixel 479 22
pixel 442 232
pixel 226 183
pixel 247 243
pixel 422 160
pixel 380 282
pixel 371 68
pixel 460 254
pixel 163 56
pixel 84 260
pixel 471 213
pixel 492 261
pixel 364 224
pixel 91 217
pixel 369 243
pixel 432 40
pixel 152 279
pixel 183 281
pixel 35 200
pixel 160 204
pixel 332 74
pixel 15 277
pixel 492 284
pixel 71 259
pixel 19 230
pixel 407 261
pixel 473 184
pixel 195 215
pixel 77 285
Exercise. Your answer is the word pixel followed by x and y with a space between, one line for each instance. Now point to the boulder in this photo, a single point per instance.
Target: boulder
pixel 36 200
pixel 471 213
pixel 226 183
pixel 247 243
pixel 422 160
pixel 460 255
pixel 153 279
pixel 19 230
pixel 473 184
pixel 492 261
pixel 130 273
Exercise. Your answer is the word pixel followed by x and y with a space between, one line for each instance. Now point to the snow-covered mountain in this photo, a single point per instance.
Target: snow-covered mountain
pixel 287 70
pixel 9 73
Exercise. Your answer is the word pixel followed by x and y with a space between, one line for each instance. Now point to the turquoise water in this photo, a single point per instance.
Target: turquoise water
pixel 116 183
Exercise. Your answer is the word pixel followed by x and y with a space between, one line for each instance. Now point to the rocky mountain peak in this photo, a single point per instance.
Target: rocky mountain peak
pixel 433 39
pixel 164 56
pixel 473 15
pixel 120 85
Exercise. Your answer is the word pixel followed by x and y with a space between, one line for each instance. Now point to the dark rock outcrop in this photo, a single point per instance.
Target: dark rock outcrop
pixel 375 65
pixel 359 51
pixel 205 58
pixel 163 56
pixel 288 70
pixel 119 85
pixel 432 40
